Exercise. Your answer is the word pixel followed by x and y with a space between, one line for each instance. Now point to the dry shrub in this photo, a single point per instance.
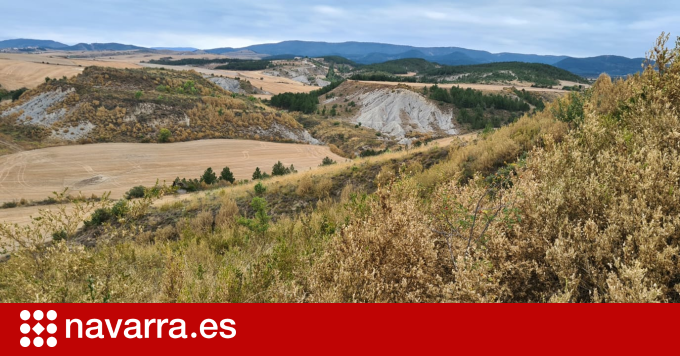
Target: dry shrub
pixel 385 176
pixel 336 150
pixel 165 233
pixel 387 256
pixel 203 223
pixel 305 186
pixel 227 213
pixel 413 167
pixel 347 192
pixel 322 187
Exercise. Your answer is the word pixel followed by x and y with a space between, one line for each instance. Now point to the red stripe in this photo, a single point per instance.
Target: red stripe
pixel 362 329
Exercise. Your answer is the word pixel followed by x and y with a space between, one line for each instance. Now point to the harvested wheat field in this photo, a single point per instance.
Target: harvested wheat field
pixel 117 167
pixel 30 70
pixel 105 63
pixel 17 74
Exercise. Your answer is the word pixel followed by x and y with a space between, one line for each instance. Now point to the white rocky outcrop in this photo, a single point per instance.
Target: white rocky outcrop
pixel 35 109
pixel 396 112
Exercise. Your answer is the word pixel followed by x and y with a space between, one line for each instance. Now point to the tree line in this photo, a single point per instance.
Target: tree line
pixel 303 102
pixel 470 98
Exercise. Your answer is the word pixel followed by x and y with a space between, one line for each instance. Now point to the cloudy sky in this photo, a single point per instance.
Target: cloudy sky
pixel 570 27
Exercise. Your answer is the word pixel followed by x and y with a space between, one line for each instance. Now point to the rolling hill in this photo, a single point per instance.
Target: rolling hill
pixel 100 47
pixel 134 105
pixel 592 67
pixel 24 43
pixel 536 73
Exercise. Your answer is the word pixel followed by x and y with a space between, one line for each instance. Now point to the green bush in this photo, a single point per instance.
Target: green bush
pixel 260 188
pixel 135 192
pixel 327 161
pixel 120 209
pixel 164 135
pixel 260 223
pixel 99 217
pixel 280 170
pixel 59 235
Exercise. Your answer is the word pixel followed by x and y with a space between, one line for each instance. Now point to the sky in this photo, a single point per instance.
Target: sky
pixel 579 28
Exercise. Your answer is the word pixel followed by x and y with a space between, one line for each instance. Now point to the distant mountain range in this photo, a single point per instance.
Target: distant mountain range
pixel 26 43
pixel 178 49
pixel 593 66
pixel 370 53
pixel 48 44
pixel 100 47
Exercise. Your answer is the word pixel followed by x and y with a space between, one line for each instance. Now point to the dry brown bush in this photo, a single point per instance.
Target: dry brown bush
pixel 322 187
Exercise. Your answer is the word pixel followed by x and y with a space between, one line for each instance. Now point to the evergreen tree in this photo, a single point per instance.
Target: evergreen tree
pixel 209 177
pixel 279 169
pixel 257 174
pixel 226 175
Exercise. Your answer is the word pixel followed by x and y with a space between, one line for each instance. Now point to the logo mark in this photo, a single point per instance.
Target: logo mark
pixel 38 328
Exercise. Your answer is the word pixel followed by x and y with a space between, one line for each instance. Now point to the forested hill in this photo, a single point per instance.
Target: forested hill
pixel 539 74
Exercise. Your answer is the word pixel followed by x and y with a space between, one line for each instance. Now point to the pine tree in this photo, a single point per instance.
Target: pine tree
pixel 209 176
pixel 257 174
pixel 226 175
pixel 279 169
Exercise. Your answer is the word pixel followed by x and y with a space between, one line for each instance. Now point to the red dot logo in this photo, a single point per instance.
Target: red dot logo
pixel 34 334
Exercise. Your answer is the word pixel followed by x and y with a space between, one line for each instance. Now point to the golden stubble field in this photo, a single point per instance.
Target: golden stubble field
pixel 117 167
pixel 29 70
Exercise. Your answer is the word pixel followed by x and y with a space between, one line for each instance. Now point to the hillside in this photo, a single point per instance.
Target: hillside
pixel 594 66
pixel 100 47
pixel 541 75
pixel 134 105
pixel 401 66
pixel 24 43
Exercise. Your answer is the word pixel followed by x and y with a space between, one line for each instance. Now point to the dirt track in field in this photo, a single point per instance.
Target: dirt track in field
pixel 117 167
